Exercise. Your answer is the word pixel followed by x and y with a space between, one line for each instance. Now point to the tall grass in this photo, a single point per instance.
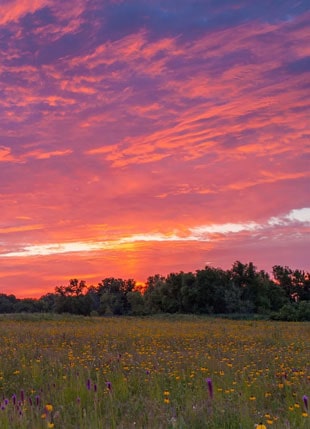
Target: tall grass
pixel 86 373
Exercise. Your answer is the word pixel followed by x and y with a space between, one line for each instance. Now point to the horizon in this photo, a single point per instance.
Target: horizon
pixel 141 286
pixel 140 139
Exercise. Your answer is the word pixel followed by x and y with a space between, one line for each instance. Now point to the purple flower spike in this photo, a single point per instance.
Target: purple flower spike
pixel 14 399
pixel 88 384
pixel 305 399
pixel 22 396
pixel 95 387
pixel 210 387
pixel 37 400
pixel 109 385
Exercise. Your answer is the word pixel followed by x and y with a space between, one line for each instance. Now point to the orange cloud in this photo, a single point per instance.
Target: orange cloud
pixel 6 155
pixel 20 228
pixel 40 154
pixel 14 10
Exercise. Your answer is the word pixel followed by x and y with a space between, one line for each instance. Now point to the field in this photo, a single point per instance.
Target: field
pixel 169 372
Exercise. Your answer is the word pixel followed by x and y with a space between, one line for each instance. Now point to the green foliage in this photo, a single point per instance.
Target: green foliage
pixel 294 312
pixel 242 289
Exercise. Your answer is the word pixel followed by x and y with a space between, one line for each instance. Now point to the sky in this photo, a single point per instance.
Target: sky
pixel 150 137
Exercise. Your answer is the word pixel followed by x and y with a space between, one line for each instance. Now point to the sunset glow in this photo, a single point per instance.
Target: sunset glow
pixel 151 137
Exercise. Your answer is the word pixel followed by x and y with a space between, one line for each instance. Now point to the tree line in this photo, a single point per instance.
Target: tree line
pixel 241 290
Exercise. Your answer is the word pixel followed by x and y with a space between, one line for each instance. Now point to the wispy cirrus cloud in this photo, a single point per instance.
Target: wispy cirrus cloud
pixel 19 228
pixel 6 155
pixel 13 10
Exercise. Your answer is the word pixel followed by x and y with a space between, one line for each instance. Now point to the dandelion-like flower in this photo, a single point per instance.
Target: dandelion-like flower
pixel 49 408
pixel 210 387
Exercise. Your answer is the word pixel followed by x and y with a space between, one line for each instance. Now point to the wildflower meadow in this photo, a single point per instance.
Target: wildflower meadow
pixel 153 372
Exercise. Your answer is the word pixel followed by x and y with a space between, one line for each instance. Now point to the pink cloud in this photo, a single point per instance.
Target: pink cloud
pixel 14 9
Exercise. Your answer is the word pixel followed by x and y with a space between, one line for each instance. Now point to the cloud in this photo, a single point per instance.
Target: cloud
pixel 6 154
pixel 13 10
pixel 301 216
pixel 199 233
pixel 40 154
pixel 20 228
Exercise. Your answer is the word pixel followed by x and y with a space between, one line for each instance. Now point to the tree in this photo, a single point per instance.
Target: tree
pixel 211 284
pixel 113 295
pixel 72 298
pixel 295 283
pixel 189 293
pixel 152 295
pixel 74 288
pixel 8 303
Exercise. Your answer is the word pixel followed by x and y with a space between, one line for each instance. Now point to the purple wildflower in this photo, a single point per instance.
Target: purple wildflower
pixel 88 384
pixel 22 396
pixel 37 400
pixel 14 399
pixel 95 387
pixel 109 385
pixel 305 399
pixel 210 387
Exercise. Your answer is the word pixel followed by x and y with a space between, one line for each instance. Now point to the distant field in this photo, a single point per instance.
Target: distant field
pixel 177 372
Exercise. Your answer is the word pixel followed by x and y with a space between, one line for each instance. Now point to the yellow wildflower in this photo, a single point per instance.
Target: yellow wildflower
pixel 49 407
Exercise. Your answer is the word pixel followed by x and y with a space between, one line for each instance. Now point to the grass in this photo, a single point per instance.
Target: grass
pixel 85 373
